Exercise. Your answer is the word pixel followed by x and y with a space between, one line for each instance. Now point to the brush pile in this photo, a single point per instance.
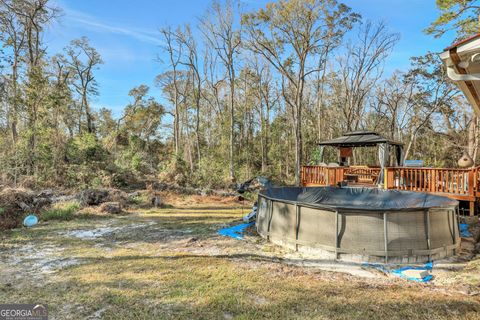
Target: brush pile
pixel 15 204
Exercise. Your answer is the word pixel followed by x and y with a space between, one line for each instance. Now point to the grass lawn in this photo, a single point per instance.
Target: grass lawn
pixel 170 263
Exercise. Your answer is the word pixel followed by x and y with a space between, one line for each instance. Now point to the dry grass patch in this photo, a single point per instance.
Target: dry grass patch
pixel 171 264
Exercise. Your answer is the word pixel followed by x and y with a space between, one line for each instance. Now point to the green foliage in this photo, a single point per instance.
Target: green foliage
pixel 85 148
pixel 175 170
pixel 87 162
pixel 212 172
pixel 459 16
pixel 142 199
pixel 61 211
pixel 133 156
pixel 316 157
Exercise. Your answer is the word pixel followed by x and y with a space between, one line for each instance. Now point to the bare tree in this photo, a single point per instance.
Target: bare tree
pixel 174 50
pixel 360 69
pixel 267 97
pixel 219 31
pixel 434 94
pixel 83 60
pixel 186 39
pixel 287 34
pixel 392 104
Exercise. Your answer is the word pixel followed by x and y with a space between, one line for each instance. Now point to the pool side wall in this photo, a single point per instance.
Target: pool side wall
pixel 358 235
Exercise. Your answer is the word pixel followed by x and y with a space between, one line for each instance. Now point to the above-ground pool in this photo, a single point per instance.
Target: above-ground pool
pixel 360 224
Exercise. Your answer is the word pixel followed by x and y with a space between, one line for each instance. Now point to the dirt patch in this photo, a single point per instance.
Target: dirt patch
pixel 192 201
pixel 90 234
pixel 28 262
pixel 32 262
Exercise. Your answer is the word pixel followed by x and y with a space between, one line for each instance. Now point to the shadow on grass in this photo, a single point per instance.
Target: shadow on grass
pixel 198 208
pixel 200 287
pixel 166 229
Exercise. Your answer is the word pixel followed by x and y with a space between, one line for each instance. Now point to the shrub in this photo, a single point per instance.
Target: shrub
pixel 85 148
pixel 212 172
pixel 61 211
pixel 175 170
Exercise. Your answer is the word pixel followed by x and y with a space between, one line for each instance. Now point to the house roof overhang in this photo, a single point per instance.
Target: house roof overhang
pixel 462 60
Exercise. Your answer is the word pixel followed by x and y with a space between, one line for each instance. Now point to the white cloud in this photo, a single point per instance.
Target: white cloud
pixel 84 19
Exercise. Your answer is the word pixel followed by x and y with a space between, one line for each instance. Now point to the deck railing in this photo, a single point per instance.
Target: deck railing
pixel 330 176
pixel 435 180
pixel 321 176
pixel 460 184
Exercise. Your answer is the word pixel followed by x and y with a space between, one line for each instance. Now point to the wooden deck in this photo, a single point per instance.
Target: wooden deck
pixel 458 184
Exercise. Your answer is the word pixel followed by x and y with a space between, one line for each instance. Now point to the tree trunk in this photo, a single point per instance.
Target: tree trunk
pixel 197 128
pixel 88 113
pixel 298 145
pixel 264 135
pixel 298 124
pixel 14 112
pixel 472 129
pixel 232 123
pixel 176 123
pixel 475 149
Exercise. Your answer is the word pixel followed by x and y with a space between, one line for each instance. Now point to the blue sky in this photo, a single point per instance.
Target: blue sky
pixel 125 32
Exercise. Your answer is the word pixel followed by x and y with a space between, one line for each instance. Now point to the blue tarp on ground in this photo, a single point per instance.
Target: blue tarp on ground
pixel 236 231
pixel 428 266
pixel 464 232
pixel 399 272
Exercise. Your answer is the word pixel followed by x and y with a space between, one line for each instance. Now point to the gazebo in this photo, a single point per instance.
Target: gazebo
pixel 355 139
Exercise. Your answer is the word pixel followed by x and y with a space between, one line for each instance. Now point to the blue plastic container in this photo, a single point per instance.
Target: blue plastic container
pixel 30 220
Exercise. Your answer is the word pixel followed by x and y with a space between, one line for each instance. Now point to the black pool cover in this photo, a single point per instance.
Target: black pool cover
pixel 358 198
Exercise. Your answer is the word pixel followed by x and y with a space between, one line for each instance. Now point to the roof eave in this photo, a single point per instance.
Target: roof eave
pixel 453 57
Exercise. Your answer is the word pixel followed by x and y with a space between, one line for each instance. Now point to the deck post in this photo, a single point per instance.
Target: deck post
pixel 386 178
pixel 302 176
pixel 340 175
pixel 471 191
pixel 432 182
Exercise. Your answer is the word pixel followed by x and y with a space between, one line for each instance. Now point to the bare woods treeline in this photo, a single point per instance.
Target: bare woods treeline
pixel 243 93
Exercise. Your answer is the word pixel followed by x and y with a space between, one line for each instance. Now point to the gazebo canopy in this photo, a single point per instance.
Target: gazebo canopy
pixel 359 139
